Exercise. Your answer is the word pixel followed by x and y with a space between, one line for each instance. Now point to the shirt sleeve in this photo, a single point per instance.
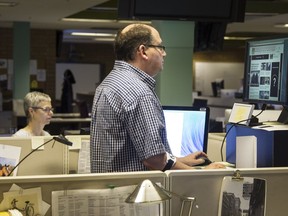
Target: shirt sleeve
pixel 146 127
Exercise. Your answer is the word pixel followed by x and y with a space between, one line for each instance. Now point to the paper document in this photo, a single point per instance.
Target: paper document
pixel 100 202
pixel 271 127
pixel 246 152
pixel 84 158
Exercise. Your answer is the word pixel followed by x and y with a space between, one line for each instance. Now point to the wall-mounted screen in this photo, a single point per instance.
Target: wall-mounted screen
pixel 201 10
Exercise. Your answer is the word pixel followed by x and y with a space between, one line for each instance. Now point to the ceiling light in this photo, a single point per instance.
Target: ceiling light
pixel 86 20
pixel 104 39
pixel 237 38
pixel 91 34
pixel 134 21
pixel 8 4
pixel 281 25
pixel 104 20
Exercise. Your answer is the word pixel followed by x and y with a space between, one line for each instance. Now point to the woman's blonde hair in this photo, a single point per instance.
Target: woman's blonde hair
pixel 32 99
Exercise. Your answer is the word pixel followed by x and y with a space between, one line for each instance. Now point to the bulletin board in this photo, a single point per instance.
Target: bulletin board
pixel 206 72
pixel 87 77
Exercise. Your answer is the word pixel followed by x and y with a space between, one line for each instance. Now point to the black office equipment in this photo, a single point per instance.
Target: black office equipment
pixel 187 128
pixel 201 10
pixel 198 102
pixel 209 36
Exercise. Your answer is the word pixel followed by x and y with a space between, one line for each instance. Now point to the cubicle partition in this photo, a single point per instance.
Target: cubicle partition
pixel 84 182
pixel 50 159
pixel 205 185
pixel 44 169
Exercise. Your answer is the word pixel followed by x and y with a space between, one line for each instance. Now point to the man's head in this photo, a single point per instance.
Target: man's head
pixel 140 45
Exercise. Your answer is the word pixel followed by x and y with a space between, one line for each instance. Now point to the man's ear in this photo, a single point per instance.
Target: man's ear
pixel 142 51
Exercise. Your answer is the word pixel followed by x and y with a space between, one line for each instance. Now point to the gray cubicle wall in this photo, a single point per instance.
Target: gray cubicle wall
pixel 205 185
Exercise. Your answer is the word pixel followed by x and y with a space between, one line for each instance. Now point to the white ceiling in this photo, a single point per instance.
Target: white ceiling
pixel 261 16
pixel 48 14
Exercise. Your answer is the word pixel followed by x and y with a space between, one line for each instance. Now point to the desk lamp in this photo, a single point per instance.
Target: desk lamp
pixel 149 192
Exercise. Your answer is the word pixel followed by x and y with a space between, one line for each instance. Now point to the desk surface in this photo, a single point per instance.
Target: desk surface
pixel 66 115
pixel 71 120
pixel 59 125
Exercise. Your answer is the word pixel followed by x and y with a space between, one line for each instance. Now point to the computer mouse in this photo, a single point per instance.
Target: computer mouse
pixel 206 162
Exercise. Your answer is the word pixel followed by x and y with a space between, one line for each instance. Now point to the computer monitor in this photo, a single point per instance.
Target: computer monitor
pixel 266 72
pixel 187 129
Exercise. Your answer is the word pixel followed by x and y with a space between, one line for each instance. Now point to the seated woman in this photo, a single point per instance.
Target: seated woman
pixel 38 110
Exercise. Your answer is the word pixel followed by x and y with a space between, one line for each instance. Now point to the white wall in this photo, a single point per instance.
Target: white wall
pixel 87 77
pixel 207 72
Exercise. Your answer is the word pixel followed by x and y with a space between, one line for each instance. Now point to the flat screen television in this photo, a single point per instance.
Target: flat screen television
pixel 201 10
pixel 266 73
pixel 187 129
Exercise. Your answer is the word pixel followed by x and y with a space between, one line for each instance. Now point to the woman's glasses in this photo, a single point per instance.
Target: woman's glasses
pixel 45 109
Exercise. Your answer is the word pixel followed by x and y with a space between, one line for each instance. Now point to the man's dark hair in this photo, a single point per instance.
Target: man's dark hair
pixel 127 43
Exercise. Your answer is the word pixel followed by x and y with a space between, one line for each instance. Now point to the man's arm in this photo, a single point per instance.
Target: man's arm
pixel 158 162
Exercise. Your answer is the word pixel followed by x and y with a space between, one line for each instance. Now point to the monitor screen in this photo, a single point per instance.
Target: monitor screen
pixel 265 77
pixel 187 129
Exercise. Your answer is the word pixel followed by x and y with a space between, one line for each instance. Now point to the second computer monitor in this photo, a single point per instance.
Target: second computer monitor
pixel 187 129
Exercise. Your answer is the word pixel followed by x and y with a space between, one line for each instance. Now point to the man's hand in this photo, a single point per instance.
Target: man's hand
pixel 193 158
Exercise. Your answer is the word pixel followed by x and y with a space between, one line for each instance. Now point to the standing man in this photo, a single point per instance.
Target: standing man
pixel 128 127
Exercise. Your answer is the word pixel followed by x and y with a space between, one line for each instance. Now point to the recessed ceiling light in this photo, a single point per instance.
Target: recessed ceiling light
pixel 281 25
pixel 8 4
pixel 104 20
pixel 93 34
pixel 104 39
pixel 86 20
pixel 237 38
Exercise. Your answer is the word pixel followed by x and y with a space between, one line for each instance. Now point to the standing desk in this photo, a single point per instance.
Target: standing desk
pixel 272 144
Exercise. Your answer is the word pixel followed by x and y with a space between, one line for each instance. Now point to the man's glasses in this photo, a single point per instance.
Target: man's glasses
pixel 46 109
pixel 161 47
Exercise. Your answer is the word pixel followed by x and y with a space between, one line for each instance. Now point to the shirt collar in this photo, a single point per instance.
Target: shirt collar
pixel 140 73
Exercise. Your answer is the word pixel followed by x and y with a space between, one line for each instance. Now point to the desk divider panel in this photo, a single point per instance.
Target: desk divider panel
pixel 49 183
pixel 53 159
pixel 205 185
pixel 41 169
